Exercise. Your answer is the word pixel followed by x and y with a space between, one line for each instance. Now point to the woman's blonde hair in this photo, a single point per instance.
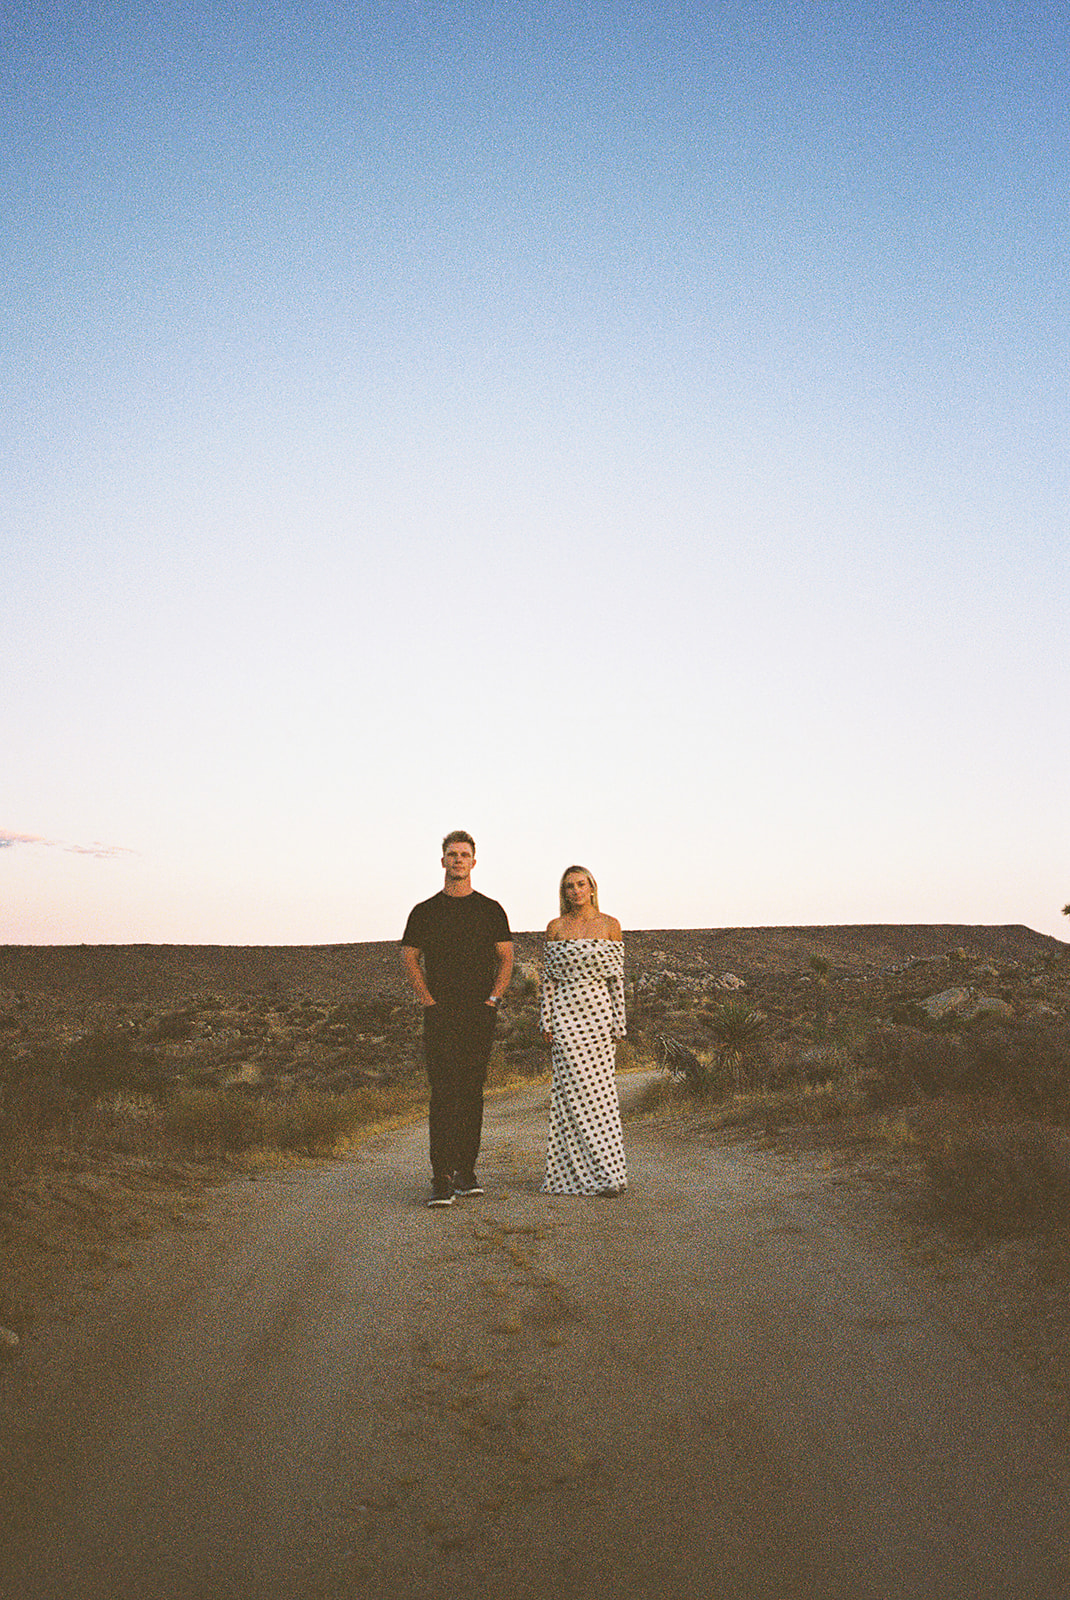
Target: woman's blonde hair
pixel 562 902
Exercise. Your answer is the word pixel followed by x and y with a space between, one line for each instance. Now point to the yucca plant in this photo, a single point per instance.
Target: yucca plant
pixel 737 1028
pixel 680 1062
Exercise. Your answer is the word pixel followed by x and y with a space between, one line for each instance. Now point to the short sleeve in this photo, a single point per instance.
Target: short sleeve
pixel 414 928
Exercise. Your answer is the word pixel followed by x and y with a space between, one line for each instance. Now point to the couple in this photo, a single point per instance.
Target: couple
pixel 458 954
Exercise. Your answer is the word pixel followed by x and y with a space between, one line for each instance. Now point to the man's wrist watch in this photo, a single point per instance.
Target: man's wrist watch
pixel 493 1000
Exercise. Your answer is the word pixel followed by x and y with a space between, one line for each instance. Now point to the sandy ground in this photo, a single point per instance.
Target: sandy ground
pixel 728 1382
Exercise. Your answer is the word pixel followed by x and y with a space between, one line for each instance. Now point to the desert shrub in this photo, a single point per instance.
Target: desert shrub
pixel 106 1060
pixel 212 1119
pixel 34 1103
pixel 172 1026
pixel 126 1123
pixel 816 1063
pixel 44 1060
pixel 312 1123
pixel 653 999
pixel 519 1029
pixel 900 1064
pixel 999 1181
pixel 1029 1066
pixel 805 1066
pixel 35 1110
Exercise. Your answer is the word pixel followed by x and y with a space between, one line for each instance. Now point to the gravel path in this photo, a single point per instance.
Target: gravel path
pixel 724 1383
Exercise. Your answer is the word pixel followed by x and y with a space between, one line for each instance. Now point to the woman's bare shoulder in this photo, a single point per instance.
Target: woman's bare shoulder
pixel 612 928
pixel 553 929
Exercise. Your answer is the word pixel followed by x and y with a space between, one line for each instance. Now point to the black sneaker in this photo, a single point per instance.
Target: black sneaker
pixel 467 1183
pixel 442 1193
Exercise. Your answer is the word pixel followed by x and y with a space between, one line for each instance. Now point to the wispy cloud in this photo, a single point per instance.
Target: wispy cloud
pixel 103 852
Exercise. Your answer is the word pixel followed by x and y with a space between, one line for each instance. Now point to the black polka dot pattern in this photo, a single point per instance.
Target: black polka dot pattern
pixel 582 1005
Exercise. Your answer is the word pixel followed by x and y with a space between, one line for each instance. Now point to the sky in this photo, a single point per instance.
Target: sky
pixel 635 433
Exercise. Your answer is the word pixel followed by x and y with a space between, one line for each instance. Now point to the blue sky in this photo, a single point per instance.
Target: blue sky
pixel 634 433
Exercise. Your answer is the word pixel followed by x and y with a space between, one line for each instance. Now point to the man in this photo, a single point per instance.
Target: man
pixel 458 953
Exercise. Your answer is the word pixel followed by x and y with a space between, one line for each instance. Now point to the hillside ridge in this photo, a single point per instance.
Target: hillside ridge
pixel 160 972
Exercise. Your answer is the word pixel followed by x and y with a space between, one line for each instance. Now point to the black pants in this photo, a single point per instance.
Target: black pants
pixel 457 1041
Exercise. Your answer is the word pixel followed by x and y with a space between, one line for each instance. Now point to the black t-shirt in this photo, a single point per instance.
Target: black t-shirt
pixel 456 934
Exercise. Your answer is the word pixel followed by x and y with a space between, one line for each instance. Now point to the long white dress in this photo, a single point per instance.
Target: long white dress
pixel 582 1005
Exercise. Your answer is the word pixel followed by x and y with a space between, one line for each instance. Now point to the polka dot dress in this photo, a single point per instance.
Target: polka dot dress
pixel 583 1006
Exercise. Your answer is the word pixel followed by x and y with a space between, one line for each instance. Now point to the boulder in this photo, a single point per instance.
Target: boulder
pixel 986 1005
pixel 945 1004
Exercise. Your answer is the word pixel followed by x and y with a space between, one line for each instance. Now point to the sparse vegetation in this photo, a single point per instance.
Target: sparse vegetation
pixel 94 1088
pixel 995 1182
pixel 149 1080
pixel 737 1028
pixel 308 1123
pixel 938 1061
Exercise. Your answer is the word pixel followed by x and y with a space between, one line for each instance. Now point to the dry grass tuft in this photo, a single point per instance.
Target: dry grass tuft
pixel 308 1123
pixel 759 1111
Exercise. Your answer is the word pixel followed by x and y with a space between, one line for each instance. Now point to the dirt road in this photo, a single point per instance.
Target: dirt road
pixel 724 1383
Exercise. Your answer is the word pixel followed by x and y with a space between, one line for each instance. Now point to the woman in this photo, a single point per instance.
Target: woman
pixel 581 1014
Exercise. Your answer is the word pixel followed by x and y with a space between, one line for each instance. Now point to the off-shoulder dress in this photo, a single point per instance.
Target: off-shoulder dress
pixel 582 1005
